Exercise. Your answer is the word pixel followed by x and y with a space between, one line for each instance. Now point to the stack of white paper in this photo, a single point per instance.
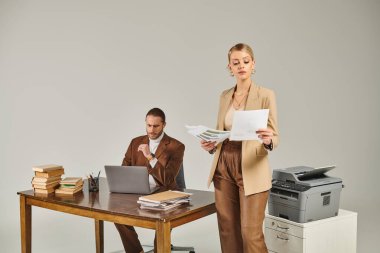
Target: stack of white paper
pixel 244 127
pixel 208 134
pixel 164 200
pixel 162 206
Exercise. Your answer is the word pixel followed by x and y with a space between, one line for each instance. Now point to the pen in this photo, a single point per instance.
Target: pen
pixel 92 180
pixel 97 179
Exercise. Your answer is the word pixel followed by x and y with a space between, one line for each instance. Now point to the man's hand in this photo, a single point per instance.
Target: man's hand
pixel 145 149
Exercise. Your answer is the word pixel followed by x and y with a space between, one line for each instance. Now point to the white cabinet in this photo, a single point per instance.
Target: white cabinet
pixel 332 235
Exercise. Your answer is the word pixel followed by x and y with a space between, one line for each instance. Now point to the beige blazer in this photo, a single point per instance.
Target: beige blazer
pixel 257 176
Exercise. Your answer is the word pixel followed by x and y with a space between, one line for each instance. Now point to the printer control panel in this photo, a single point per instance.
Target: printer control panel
pixel 290 185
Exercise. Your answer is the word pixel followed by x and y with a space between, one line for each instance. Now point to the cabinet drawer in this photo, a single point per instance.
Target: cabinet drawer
pixel 284 227
pixel 280 242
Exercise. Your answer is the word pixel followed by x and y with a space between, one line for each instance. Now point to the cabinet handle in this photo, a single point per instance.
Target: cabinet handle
pixel 282 227
pixel 281 238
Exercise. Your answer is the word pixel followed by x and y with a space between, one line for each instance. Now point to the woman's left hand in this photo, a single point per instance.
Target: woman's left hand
pixel 265 134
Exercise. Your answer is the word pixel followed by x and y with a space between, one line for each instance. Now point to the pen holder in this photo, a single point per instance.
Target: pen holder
pixel 93 184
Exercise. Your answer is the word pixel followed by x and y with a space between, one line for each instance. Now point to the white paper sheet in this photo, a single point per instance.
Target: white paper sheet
pixel 208 134
pixel 246 123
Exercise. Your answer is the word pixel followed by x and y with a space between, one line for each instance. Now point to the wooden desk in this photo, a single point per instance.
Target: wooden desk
pixel 113 207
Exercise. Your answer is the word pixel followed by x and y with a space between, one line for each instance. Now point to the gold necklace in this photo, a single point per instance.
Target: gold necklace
pixel 236 103
pixel 242 99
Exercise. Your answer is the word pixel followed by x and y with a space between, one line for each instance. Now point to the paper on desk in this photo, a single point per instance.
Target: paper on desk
pixel 246 123
pixel 208 134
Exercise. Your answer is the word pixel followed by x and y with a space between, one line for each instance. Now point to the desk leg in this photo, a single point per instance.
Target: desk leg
pixel 163 237
pixel 26 226
pixel 99 236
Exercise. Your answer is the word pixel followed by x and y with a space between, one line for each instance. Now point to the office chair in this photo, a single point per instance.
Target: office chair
pixel 180 180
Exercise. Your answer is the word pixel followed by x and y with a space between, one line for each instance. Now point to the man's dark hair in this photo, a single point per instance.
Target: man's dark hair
pixel 158 113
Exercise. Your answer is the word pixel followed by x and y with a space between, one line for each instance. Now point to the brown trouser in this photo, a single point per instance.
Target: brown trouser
pixel 129 238
pixel 240 217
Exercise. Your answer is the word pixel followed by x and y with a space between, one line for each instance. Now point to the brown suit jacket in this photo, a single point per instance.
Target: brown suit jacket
pixel 257 176
pixel 169 154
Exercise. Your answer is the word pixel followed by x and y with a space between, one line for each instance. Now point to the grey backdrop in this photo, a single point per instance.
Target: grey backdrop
pixel 77 77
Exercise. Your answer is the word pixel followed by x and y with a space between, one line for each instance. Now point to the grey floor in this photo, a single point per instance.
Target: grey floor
pixel 146 249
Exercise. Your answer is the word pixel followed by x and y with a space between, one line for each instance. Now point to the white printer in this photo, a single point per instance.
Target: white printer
pixel 304 194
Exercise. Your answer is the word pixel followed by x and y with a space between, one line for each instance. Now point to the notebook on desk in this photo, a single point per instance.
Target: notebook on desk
pixel 129 179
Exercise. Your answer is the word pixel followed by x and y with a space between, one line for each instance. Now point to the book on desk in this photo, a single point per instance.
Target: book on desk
pixel 46 178
pixel 70 185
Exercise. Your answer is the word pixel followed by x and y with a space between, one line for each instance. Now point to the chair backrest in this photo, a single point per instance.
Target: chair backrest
pixel 180 179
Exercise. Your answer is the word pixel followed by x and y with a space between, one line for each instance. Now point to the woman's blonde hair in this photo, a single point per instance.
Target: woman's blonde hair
pixel 241 47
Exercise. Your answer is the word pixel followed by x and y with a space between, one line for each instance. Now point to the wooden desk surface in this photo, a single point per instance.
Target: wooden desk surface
pixel 114 207
pixel 124 204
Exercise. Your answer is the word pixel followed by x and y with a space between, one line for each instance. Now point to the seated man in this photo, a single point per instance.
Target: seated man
pixel 162 155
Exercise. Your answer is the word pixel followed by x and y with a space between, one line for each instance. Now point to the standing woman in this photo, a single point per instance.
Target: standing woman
pixel 240 170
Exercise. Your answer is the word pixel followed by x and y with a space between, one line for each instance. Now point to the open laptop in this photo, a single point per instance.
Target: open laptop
pixel 129 179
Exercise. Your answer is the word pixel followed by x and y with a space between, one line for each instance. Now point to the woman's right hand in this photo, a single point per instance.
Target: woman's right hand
pixel 208 145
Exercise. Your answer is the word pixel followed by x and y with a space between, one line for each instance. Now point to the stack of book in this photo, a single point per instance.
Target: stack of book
pixel 70 185
pixel 46 178
pixel 164 200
